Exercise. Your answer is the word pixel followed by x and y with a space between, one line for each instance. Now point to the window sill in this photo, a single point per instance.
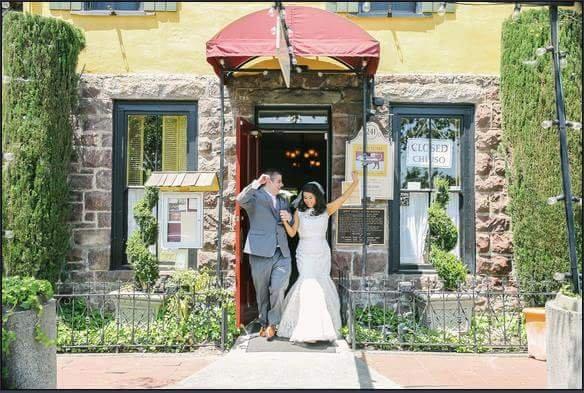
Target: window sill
pixel 110 13
pixel 427 15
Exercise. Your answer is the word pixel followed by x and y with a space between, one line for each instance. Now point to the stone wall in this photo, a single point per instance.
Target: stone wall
pixel 92 169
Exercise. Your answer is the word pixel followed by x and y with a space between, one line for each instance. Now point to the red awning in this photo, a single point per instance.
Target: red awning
pixel 314 32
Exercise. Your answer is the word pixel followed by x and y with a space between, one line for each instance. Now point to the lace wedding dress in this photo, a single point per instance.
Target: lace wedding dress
pixel 312 308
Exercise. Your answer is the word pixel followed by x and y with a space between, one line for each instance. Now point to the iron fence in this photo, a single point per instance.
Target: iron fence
pixel 116 317
pixel 479 317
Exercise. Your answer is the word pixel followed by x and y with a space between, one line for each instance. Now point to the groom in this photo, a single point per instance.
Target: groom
pixel 267 246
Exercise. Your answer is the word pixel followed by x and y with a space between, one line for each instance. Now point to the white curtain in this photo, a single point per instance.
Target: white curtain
pixel 414 226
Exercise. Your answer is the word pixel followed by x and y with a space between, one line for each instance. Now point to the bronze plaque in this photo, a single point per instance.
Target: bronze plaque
pixel 350 226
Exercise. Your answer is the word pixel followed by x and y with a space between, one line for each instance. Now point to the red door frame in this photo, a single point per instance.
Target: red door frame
pixel 247 169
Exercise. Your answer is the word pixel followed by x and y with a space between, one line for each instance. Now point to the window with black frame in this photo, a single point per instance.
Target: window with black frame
pixel 112 5
pixel 148 137
pixel 429 146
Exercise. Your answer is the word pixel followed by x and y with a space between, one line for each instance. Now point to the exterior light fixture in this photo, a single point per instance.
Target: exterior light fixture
pixel 8 157
pixel 548 123
pixel 516 11
pixel 8 235
pixel 442 8
pixel 366 6
pixel 320 74
pixel 543 51
pixel 555 199
pixel 530 63
pixel 255 133
pixel 574 124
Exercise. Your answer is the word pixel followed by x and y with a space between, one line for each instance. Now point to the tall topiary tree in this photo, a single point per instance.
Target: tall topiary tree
pixel 534 171
pixel 39 95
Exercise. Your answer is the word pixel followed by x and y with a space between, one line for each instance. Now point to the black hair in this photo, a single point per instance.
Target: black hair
pixel 272 172
pixel 320 206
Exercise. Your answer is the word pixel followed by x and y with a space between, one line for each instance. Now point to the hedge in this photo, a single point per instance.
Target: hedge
pixel 39 96
pixel 534 172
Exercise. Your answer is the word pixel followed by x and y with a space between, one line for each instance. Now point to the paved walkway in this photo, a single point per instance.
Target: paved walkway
pixel 207 368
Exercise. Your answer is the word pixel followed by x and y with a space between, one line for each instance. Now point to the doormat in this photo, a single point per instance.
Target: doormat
pixel 280 344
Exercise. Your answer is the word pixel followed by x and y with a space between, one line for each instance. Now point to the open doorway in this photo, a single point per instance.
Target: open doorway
pixel 297 142
pixel 301 157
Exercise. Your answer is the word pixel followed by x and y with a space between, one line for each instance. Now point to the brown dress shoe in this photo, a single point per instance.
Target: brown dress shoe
pixel 263 331
pixel 271 332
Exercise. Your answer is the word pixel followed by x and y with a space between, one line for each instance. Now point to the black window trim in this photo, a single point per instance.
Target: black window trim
pixel 119 220
pixel 467 160
pixel 391 13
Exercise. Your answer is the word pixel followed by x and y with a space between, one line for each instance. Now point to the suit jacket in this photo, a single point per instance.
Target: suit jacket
pixel 266 231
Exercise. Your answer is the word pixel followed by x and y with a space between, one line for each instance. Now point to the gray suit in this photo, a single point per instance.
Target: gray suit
pixel 269 254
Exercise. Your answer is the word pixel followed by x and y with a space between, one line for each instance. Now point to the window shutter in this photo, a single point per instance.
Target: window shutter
pixel 59 5
pixel 331 6
pixel 174 143
pixel 76 6
pixel 150 6
pixel 135 150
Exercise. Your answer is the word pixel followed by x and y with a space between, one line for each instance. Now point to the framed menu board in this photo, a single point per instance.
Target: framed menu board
pixel 350 226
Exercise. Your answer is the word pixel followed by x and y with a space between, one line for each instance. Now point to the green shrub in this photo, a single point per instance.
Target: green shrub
pixel 443 235
pixel 534 172
pixel 448 267
pixel 39 62
pixel 144 263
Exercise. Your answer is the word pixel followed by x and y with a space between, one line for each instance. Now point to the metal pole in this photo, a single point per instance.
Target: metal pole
pixel 364 160
pixel 221 176
pixel 566 185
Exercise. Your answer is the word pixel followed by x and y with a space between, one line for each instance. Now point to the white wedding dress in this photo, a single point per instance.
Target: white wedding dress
pixel 312 308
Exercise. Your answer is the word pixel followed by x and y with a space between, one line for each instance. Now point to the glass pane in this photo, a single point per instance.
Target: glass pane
pixel 413 227
pixel 111 5
pixel 445 152
pixel 414 154
pixel 289 117
pixel 155 143
pixel 402 7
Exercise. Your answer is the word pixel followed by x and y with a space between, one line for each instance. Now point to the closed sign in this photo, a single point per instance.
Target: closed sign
pixel 418 153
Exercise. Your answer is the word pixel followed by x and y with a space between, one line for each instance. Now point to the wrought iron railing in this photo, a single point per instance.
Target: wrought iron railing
pixel 115 317
pixel 479 317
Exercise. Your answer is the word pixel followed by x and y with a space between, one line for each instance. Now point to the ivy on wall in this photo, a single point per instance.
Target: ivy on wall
pixel 534 171
pixel 39 95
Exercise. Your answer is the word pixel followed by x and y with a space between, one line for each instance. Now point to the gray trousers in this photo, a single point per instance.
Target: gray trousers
pixel 270 278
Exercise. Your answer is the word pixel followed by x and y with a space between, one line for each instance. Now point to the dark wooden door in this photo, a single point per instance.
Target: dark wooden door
pixel 248 166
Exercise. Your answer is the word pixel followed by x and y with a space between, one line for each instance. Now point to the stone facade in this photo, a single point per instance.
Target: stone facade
pixel 91 171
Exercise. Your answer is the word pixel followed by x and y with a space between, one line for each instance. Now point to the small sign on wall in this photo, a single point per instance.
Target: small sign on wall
pixel 379 160
pixel 418 154
pixel 350 224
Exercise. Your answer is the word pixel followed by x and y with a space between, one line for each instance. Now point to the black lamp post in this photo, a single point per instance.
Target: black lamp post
pixel 562 124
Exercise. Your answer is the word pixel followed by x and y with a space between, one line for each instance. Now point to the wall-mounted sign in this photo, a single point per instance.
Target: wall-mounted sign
pixel 418 154
pixel 379 161
pixel 350 224
pixel 181 220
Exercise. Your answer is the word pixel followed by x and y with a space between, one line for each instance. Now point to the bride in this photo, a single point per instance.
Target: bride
pixel 312 308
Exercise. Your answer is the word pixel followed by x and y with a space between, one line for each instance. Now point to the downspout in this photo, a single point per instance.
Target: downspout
pixel 364 160
pixel 219 241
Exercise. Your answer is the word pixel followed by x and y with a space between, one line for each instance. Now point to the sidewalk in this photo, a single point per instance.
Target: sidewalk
pixel 340 368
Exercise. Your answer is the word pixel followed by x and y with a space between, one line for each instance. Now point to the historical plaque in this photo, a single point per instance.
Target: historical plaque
pixel 350 226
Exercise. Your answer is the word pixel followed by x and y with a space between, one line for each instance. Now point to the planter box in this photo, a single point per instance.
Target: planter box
pixel 32 365
pixel 136 307
pixel 535 328
pixel 446 311
pixel 564 342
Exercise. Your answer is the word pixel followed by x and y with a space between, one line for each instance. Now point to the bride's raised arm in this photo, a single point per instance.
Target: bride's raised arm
pixel 291 230
pixel 335 205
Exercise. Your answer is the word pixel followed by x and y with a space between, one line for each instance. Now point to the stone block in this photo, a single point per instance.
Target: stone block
pixel 98 200
pixel 76 212
pixel 95 158
pixel 91 237
pixel 489 139
pixel 90 139
pixel 482 203
pixel 104 219
pixel 483 243
pixel 483 163
pixel 502 243
pixel 89 217
pixel 103 179
pixel 499 223
pixel 490 183
pixel 99 259
pixel 81 182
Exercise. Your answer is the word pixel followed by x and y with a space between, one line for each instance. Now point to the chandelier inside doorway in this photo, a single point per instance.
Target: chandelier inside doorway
pixel 307 158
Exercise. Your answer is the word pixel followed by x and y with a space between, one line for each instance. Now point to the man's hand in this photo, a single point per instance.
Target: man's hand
pixel 285 215
pixel 263 179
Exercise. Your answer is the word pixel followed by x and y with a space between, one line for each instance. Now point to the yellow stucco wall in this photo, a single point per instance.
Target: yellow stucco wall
pixel 467 41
